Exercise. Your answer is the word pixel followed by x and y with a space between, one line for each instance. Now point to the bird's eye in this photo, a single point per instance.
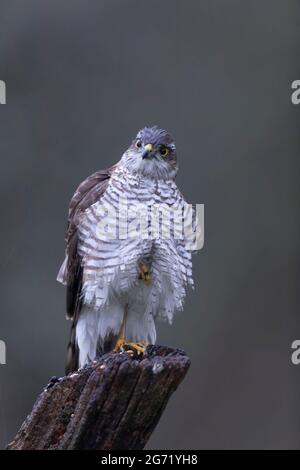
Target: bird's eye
pixel 138 143
pixel 164 151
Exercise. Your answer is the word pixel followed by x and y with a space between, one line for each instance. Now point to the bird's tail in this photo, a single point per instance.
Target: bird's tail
pixel 72 361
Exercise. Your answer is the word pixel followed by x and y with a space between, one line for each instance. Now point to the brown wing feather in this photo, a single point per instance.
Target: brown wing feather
pixel 89 191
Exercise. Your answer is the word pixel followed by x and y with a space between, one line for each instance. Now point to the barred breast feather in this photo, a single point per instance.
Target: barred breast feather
pixel 110 263
pixel 100 269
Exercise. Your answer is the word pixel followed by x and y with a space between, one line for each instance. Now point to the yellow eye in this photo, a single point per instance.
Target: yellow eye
pixel 138 143
pixel 164 151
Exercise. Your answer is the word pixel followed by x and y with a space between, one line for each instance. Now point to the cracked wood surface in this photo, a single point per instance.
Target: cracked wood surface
pixel 113 403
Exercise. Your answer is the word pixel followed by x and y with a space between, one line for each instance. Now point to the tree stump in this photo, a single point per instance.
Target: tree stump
pixel 113 403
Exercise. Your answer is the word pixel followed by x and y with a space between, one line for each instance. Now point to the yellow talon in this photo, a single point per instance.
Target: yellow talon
pixel 139 347
pixel 144 273
pixel 119 345
pixel 122 345
pixel 130 348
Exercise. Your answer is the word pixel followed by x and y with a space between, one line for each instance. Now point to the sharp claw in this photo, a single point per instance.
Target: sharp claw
pixel 130 348
pixel 119 345
pixel 144 273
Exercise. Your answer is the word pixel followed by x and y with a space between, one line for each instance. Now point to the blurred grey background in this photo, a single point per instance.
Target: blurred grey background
pixel 82 78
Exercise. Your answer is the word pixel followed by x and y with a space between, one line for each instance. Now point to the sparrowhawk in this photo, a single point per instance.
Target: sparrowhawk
pixel 118 280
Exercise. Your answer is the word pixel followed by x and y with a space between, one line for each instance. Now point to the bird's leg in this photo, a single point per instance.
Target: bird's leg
pixel 135 348
pixel 123 345
pixel 144 272
pixel 121 339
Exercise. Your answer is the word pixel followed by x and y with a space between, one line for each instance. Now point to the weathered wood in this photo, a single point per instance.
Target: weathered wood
pixel 113 403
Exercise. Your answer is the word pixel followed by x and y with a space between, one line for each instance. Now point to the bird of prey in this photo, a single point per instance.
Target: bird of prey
pixel 117 286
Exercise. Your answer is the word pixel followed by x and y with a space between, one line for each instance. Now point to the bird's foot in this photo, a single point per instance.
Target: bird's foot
pixel 136 348
pixel 131 348
pixel 119 347
pixel 144 273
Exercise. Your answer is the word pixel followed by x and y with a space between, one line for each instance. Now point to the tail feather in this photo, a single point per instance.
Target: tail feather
pixel 72 360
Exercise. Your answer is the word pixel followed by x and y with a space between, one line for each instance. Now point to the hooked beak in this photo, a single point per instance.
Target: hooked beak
pixel 147 149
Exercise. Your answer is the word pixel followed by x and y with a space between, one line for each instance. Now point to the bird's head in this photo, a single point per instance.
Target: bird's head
pixel 152 154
